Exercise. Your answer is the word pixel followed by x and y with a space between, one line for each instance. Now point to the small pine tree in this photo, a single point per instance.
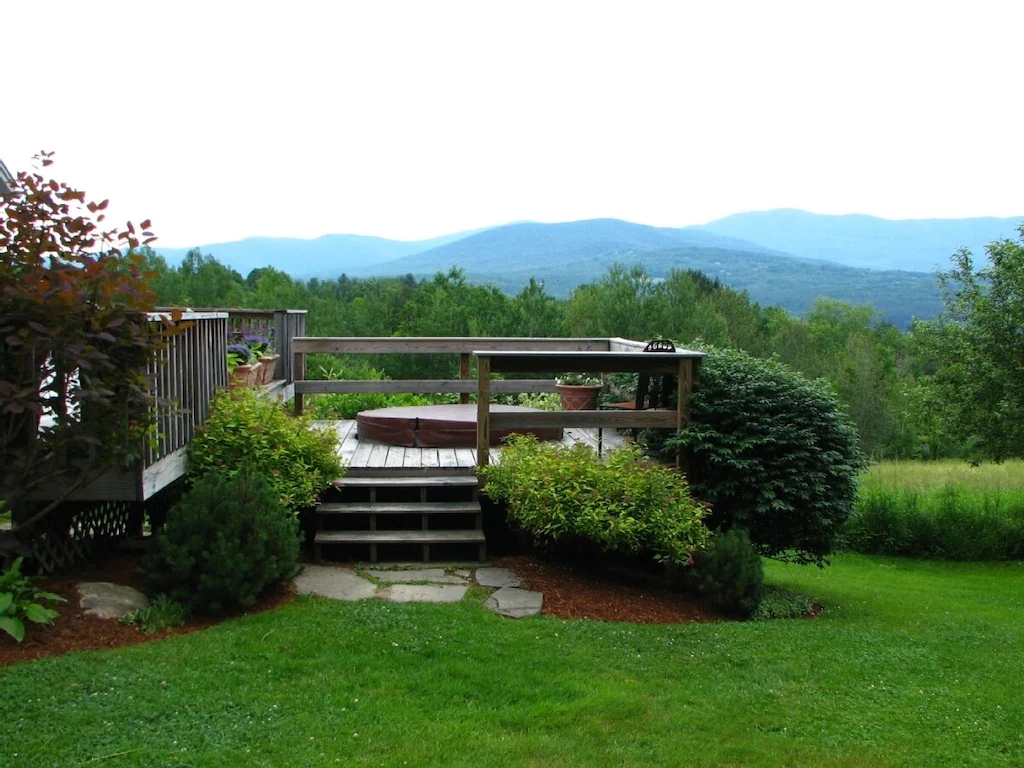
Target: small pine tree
pixel 223 544
pixel 728 572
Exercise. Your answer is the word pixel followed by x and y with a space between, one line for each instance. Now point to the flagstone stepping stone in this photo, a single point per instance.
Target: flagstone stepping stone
pixel 433 575
pixel 335 583
pixel 105 600
pixel 496 577
pixel 515 603
pixel 423 593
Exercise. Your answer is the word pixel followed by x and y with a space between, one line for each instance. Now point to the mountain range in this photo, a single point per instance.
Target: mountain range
pixel 783 257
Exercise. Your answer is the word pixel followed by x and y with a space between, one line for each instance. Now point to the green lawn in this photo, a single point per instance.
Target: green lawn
pixel 914 663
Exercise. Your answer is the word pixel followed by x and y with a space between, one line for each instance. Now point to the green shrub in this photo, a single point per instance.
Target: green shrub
pixel 773 453
pixel 623 504
pixel 349 405
pixel 162 614
pixel 779 603
pixel 246 430
pixel 728 572
pixel 223 543
pixel 948 522
pixel 21 602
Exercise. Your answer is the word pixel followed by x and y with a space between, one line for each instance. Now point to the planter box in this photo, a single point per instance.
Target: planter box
pixel 268 367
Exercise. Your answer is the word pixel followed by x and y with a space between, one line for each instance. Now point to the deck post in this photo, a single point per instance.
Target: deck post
pixel 464 375
pixel 483 410
pixel 298 374
pixel 684 386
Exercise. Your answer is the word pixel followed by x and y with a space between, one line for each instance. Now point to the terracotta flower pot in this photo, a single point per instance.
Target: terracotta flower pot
pixel 578 398
pixel 239 376
pixel 245 376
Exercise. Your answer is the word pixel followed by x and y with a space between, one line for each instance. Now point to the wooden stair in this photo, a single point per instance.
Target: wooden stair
pixel 401 509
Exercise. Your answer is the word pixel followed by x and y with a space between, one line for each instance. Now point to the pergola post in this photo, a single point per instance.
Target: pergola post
pixel 483 411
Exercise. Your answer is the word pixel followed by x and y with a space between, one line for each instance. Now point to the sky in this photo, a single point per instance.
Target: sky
pixel 408 120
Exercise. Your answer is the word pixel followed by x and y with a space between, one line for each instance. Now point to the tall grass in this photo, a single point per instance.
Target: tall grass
pixel 947 510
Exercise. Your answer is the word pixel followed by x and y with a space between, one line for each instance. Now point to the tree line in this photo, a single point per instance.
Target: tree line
pixel 930 392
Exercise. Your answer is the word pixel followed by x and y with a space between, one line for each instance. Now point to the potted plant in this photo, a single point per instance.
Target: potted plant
pixel 266 355
pixel 579 391
pixel 243 366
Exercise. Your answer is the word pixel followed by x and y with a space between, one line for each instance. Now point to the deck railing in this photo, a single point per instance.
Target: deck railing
pixel 188 373
pixel 511 355
pixel 464 347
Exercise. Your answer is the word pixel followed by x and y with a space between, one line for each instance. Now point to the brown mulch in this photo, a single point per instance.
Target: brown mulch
pixel 578 593
pixel 75 631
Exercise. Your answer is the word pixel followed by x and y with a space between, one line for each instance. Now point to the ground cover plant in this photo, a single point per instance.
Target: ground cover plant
pixel 247 431
pixel 21 601
pixel 912 663
pixel 772 453
pixel 945 509
pixel 619 503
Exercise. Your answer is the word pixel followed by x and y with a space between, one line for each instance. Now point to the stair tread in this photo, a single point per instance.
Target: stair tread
pixel 400 537
pixel 403 481
pixel 399 508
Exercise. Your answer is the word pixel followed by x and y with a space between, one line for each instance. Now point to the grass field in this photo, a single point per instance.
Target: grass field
pixel 943 509
pixel 914 663
pixel 927 475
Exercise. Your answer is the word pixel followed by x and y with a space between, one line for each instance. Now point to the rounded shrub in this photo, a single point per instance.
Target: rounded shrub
pixel 728 573
pixel 243 429
pixel 623 504
pixel 223 543
pixel 772 453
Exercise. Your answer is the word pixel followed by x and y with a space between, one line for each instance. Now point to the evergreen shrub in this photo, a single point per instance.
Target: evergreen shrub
pixel 728 573
pixel 223 543
pixel 245 430
pixel 623 504
pixel 772 453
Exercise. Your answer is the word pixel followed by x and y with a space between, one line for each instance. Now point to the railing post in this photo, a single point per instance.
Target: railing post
pixel 483 411
pixel 684 386
pixel 298 374
pixel 464 375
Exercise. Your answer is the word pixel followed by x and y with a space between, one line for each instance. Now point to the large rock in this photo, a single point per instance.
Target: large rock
pixel 109 601
pixel 496 577
pixel 335 583
pixel 423 593
pixel 515 603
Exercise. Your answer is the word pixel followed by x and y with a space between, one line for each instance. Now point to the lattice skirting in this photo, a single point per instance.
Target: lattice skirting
pixel 80 531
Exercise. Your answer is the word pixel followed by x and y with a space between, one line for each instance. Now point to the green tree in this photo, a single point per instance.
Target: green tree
pixel 978 342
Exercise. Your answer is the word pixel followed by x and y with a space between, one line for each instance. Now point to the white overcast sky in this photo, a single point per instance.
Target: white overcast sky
pixel 222 120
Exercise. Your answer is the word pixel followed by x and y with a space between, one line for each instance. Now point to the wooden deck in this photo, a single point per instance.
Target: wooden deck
pixel 365 457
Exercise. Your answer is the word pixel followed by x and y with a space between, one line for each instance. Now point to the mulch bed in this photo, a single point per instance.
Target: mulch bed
pixel 75 631
pixel 575 592
pixel 570 592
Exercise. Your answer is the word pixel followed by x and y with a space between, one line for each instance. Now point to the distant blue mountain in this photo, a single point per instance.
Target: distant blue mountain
pixel 856 240
pixel 327 256
pixel 782 257
pixel 539 248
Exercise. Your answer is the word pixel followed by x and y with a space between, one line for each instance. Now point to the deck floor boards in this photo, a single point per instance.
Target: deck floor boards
pixel 365 454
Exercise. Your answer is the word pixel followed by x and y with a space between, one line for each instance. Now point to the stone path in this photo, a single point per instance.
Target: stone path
pixel 421 585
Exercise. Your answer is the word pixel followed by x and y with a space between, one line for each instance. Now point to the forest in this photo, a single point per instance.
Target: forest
pixel 904 390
